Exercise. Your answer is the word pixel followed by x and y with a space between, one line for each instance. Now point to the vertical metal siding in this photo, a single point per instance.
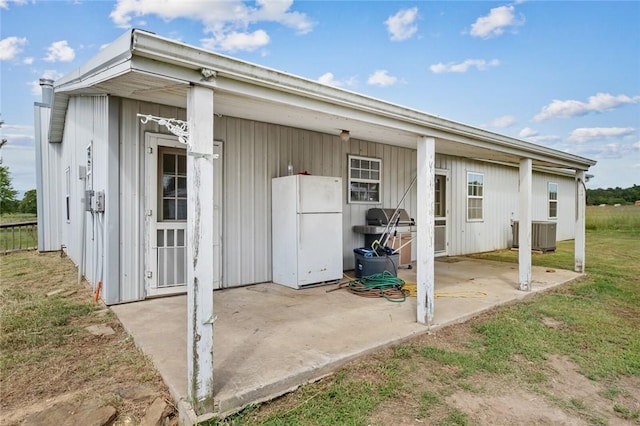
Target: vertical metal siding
pixel 257 152
pixel 566 203
pixel 254 153
pixel 86 121
pixel 49 189
pixel 501 206
pixel 132 192
pixel 500 202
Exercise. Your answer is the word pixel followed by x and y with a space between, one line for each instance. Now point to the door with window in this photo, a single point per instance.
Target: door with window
pixel 440 213
pixel 166 214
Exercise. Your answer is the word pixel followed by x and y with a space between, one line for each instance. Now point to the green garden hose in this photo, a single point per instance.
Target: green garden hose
pixel 384 284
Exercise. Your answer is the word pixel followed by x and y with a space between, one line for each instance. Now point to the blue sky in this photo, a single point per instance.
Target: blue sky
pixel 561 74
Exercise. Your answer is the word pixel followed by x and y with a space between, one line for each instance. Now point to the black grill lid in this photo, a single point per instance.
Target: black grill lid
pixel 381 217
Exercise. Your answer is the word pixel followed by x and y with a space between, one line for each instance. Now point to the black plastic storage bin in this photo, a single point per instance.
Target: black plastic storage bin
pixel 367 263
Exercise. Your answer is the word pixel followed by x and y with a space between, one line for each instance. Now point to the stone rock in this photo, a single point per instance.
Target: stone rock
pixel 138 393
pixel 100 330
pixel 86 413
pixel 155 413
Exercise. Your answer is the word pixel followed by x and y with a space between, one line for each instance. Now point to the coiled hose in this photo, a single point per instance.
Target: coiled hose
pixel 384 284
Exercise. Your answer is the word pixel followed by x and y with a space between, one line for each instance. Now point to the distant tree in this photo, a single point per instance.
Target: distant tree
pixel 29 203
pixel 8 201
pixel 615 195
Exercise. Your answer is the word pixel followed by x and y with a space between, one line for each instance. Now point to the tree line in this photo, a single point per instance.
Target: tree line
pixel 616 195
pixel 9 202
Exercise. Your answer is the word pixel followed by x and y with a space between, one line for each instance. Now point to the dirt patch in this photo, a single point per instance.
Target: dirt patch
pixel 435 395
pixel 53 359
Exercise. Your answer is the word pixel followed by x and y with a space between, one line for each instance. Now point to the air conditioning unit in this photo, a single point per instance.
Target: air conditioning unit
pixel 543 235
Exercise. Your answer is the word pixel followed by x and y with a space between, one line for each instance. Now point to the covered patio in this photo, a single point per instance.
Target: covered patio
pixel 270 339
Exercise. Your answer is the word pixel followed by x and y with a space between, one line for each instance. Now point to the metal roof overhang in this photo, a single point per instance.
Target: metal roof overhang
pixel 143 66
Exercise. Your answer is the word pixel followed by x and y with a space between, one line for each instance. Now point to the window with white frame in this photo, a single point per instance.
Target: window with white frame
pixel 553 200
pixel 365 176
pixel 475 196
pixel 67 192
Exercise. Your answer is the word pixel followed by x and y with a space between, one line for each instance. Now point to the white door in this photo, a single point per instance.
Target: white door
pixel 166 214
pixel 440 212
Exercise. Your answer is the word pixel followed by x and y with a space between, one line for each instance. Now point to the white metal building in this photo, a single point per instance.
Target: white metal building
pixel 101 138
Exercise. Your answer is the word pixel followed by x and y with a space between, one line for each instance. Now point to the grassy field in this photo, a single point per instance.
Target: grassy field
pixel 17 217
pixel 590 328
pixel 613 218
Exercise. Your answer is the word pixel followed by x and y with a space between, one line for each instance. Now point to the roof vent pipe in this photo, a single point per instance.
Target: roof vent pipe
pixel 47 91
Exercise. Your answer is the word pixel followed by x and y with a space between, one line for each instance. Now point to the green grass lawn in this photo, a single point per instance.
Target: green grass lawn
pixel 599 331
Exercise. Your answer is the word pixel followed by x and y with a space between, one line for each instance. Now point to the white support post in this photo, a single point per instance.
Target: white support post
pixel 524 225
pixel 200 242
pixel 580 239
pixel 425 276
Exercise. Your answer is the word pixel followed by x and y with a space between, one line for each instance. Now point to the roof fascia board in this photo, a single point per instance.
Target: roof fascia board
pixel 114 55
pixel 108 63
pixel 158 48
pixel 266 93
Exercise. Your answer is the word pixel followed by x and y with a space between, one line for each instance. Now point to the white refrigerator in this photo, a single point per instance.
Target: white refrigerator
pixel 306 218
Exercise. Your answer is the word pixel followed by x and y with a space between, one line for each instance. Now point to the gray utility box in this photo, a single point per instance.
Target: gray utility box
pixel 371 265
pixel 543 235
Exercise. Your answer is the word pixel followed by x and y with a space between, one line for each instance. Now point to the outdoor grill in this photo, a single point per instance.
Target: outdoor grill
pixel 378 219
pixel 382 225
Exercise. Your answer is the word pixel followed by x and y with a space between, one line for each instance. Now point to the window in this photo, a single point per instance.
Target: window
pixel 173 185
pixel 439 196
pixel 553 200
pixel 364 179
pixel 67 191
pixel 475 196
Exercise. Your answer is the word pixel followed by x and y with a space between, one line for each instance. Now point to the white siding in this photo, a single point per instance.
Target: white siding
pixel 86 122
pixel 565 230
pixel 132 192
pixel 256 152
pixel 49 191
pixel 501 205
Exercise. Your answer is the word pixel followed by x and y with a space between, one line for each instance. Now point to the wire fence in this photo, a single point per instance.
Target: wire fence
pixel 18 236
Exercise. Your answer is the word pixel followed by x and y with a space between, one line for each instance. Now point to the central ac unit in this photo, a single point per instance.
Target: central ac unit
pixel 543 235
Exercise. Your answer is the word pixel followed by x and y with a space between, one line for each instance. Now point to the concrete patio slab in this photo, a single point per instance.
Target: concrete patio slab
pixel 270 339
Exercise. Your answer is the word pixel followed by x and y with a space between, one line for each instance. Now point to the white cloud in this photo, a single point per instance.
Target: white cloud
pixel 36 90
pixel 235 41
pixel 10 47
pixel 586 134
pixel 227 21
pixel 28 61
pixel 4 4
pixel 527 132
pixel 548 140
pixel 504 121
pixel 479 64
pixel 60 51
pixel 571 108
pixel 495 22
pixel 402 25
pixel 611 150
pixel 382 78
pixel 329 79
